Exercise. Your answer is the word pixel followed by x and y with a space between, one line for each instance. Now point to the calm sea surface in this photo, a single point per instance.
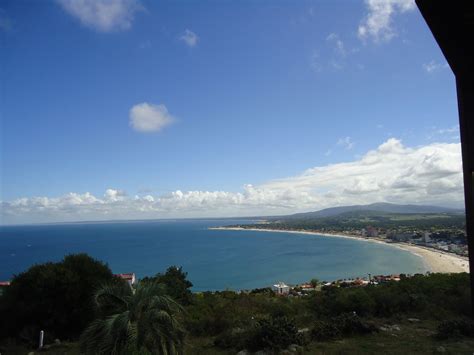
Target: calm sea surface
pixel 214 259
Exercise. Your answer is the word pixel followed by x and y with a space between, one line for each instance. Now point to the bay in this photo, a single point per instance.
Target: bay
pixel 214 259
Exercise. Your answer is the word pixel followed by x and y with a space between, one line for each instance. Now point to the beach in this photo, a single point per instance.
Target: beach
pixel 434 260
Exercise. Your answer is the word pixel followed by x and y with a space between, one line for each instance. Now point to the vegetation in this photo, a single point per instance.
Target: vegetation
pixel 161 315
pixel 176 283
pixel 53 296
pixel 144 320
pixel 357 220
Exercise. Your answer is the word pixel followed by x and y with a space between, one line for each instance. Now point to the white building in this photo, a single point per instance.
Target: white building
pixel 426 237
pixel 281 288
pixel 129 277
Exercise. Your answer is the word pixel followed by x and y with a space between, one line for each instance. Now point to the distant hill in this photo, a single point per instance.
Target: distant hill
pixel 374 208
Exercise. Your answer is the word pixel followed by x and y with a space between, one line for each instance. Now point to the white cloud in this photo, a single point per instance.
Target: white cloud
pixel 338 44
pixel 103 15
pixel 430 174
pixel 434 66
pixel 112 195
pixel 444 134
pixel 346 142
pixel 377 25
pixel 147 117
pixel 190 38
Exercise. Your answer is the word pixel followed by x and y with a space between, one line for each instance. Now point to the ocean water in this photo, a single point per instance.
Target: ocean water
pixel 214 259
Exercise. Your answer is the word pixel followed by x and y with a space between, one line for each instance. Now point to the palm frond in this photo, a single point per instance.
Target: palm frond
pixel 144 321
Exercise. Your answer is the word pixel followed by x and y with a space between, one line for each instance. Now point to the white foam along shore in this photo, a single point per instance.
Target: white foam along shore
pixel 434 260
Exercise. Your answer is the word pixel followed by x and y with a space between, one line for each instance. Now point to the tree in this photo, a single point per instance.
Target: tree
pixel 176 282
pixel 140 321
pixel 55 297
pixel 314 282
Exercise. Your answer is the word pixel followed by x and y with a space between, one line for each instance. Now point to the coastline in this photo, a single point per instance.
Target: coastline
pixel 434 260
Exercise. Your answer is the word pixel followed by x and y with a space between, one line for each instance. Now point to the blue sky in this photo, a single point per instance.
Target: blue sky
pixel 149 109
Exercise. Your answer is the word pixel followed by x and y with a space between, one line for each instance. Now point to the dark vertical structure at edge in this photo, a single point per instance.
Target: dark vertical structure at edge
pixel 452 25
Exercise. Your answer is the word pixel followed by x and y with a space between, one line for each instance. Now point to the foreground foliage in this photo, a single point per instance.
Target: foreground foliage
pixel 416 314
pixel 143 320
pixel 56 297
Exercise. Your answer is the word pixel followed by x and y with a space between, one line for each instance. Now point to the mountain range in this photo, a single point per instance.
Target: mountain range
pixel 374 208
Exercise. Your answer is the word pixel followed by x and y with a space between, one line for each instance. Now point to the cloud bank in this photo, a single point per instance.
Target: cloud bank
pixel 103 15
pixel 147 117
pixel 393 172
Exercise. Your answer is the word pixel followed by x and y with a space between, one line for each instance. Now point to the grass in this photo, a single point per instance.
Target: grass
pixel 412 338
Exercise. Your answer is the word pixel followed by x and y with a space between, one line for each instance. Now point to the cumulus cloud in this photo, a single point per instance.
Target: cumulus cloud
pixel 377 24
pixel 190 38
pixel 393 172
pixel 103 15
pixel 433 66
pixel 147 117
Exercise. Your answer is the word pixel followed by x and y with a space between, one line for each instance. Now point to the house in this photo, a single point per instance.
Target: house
pixel 400 237
pixel 281 288
pixel 427 237
pixel 129 277
pixel 372 232
pixel 3 285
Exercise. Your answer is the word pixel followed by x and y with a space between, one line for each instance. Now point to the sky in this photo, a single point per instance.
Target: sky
pixel 137 109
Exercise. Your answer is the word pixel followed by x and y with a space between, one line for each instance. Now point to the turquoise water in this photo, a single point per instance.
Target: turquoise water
pixel 214 259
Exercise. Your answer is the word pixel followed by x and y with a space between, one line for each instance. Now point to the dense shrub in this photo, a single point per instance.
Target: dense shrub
pixel 435 295
pixel 177 284
pixel 343 325
pixel 352 324
pixel 236 338
pixel 455 328
pixel 54 297
pixel 274 333
pixel 324 330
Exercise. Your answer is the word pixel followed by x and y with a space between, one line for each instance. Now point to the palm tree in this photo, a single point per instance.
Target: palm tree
pixel 140 321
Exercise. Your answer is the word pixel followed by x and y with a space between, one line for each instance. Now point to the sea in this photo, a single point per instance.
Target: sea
pixel 213 259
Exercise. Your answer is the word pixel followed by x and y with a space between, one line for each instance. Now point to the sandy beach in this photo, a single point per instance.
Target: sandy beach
pixel 434 260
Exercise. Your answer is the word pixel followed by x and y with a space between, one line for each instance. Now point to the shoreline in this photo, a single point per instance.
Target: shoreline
pixel 433 259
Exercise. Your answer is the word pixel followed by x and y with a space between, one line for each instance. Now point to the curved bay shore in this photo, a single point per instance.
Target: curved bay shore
pixel 434 260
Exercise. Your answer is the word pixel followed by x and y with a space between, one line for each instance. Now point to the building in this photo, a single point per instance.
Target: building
pixel 281 288
pixel 372 232
pixel 400 237
pixel 426 237
pixel 3 285
pixel 129 277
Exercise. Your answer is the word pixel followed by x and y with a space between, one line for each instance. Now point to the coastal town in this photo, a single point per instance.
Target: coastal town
pixel 298 290
pixel 453 241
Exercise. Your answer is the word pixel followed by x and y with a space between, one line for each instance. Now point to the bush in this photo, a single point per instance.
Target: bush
pixel 343 325
pixel 232 339
pixel 274 333
pixel 455 328
pixel 177 284
pixel 54 297
pixel 352 324
pixel 323 330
